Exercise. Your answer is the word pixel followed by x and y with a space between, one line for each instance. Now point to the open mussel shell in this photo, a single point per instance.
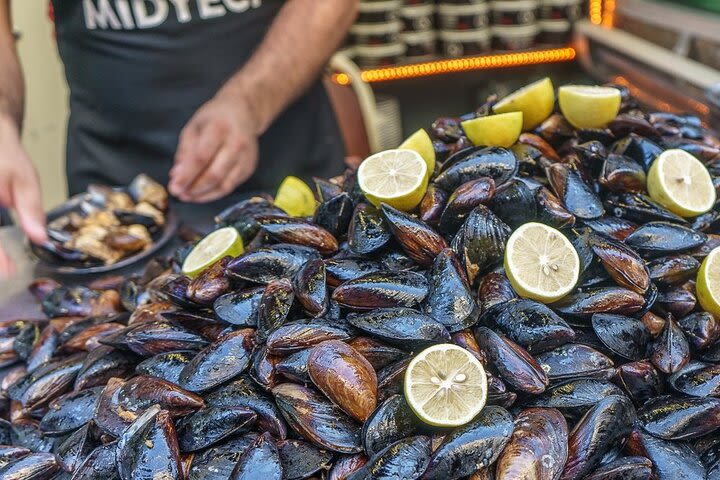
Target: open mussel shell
pixel 316 419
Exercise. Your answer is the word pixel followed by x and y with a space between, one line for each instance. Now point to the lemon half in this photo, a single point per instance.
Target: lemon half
pixel 445 385
pixel 218 244
pixel 681 183
pixel 541 263
pixel 397 177
pixel 536 102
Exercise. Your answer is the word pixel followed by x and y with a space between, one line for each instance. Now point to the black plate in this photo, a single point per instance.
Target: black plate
pixel 160 239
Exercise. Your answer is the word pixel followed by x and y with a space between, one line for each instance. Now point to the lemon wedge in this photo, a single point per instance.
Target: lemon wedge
pixel 501 130
pixel 536 102
pixel 421 142
pixel 587 106
pixel 295 197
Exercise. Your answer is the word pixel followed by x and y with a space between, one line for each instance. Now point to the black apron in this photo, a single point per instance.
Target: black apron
pixel 139 69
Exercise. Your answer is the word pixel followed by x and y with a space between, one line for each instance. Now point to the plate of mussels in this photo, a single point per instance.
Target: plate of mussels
pixel 107 228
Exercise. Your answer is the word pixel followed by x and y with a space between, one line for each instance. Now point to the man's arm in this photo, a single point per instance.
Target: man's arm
pixel 19 186
pixel 218 147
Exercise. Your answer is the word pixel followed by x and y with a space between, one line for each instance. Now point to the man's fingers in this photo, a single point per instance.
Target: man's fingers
pixel 233 178
pixel 193 157
pixel 217 173
pixel 28 205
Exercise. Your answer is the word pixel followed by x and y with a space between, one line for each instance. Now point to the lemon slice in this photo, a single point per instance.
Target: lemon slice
pixel 500 130
pixel 535 101
pixel 421 142
pixel 541 263
pixel 587 106
pixel 708 283
pixel 445 385
pixel 396 177
pixel 218 244
pixel 295 197
pixel 681 183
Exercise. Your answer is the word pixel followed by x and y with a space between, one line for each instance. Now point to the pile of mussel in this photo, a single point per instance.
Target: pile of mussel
pixel 287 362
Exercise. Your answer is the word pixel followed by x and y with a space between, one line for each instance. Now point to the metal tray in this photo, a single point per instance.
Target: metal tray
pixel 160 239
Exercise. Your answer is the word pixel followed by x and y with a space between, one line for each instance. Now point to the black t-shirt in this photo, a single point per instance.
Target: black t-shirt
pixel 139 69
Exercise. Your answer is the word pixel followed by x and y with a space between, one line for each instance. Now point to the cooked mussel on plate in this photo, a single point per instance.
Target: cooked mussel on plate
pixel 106 226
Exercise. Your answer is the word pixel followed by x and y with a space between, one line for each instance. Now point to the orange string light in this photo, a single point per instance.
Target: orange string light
pixel 482 62
pixel 608 15
pixel 595 11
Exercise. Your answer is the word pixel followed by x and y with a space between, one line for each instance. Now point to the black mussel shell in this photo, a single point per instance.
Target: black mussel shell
pixel 403 327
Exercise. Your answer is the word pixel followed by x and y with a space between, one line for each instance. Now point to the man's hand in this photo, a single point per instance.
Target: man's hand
pixel 19 189
pixel 217 150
